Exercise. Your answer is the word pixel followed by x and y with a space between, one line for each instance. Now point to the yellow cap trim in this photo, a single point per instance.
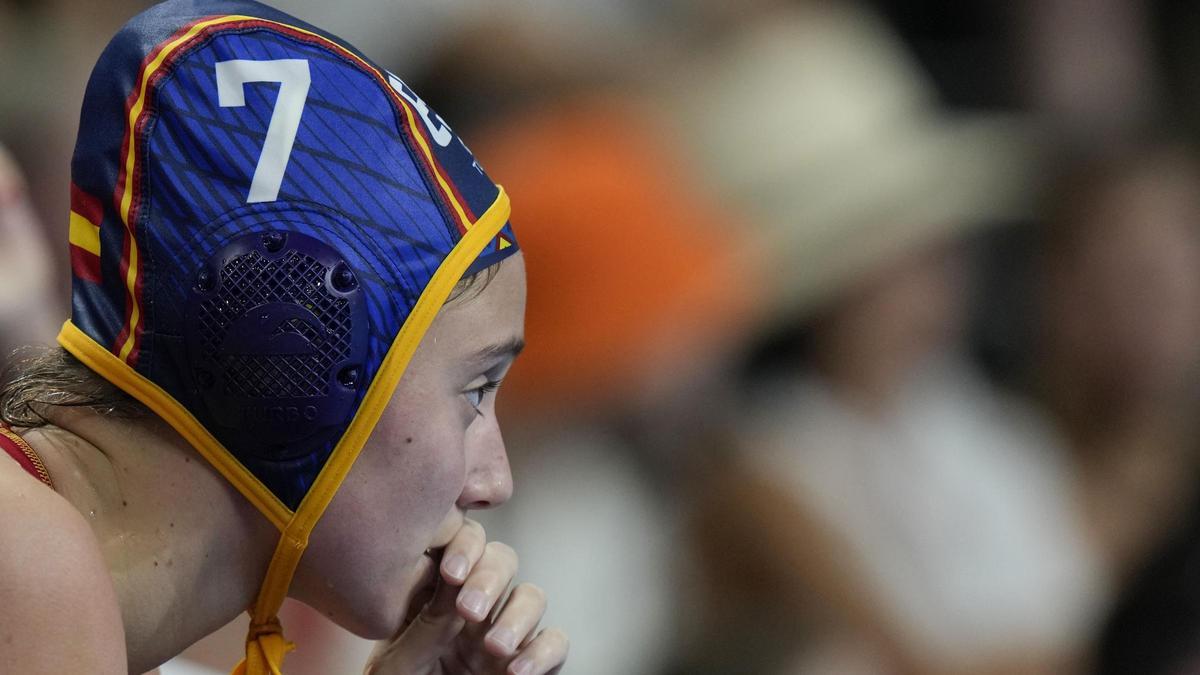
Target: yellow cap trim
pixel 296 527
pixel 113 369
pixel 295 536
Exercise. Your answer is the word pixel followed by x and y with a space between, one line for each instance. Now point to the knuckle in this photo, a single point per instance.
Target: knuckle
pixel 557 636
pixel 474 527
pixel 502 551
pixel 534 591
pixel 484 580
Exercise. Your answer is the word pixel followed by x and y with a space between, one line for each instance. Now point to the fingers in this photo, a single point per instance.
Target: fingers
pixel 463 552
pixel 487 581
pixel 437 624
pixel 544 654
pixel 469 620
pixel 516 622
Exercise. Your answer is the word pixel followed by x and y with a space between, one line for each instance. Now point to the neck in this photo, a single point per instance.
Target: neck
pixel 186 551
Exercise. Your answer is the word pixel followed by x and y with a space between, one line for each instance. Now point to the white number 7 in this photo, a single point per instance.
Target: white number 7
pixel 293 78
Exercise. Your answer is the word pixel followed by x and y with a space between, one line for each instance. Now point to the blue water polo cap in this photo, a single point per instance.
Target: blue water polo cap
pixel 263 225
pixel 256 209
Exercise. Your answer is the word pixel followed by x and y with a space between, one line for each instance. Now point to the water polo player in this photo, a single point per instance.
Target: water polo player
pixel 294 294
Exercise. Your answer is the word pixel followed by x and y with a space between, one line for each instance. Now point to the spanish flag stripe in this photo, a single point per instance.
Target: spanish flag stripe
pixel 84 233
pixel 84 265
pixel 86 205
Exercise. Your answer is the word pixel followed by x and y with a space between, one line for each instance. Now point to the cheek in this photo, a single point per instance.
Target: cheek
pixel 365 549
pixel 411 485
pixel 429 474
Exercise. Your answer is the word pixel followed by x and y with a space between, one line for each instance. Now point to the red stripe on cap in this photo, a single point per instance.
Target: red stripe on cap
pixel 86 205
pixel 124 334
pixel 85 265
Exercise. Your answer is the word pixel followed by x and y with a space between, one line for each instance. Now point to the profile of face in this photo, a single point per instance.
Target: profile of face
pixel 436 453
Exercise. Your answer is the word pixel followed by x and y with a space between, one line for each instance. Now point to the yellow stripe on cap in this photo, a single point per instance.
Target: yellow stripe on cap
pixel 85 234
pixel 131 155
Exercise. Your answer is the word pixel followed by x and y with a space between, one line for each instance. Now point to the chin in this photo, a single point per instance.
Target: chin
pixel 377 618
pixel 381 613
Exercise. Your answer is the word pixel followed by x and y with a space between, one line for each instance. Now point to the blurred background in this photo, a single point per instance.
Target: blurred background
pixel 864 336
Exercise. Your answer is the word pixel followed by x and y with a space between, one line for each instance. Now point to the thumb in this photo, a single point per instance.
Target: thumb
pixel 426 638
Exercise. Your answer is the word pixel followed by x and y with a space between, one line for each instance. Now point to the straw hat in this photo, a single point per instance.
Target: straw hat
pixel 818 124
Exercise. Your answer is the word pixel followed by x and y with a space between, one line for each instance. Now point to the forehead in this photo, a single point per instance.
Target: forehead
pixel 484 317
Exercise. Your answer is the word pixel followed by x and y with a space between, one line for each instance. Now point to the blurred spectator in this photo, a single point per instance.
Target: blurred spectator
pixel 639 288
pixel 47 50
pixel 928 515
pixel 637 293
pixel 1120 343
pixel 1090 67
pixel 29 310
pixel 1155 628
pixel 641 272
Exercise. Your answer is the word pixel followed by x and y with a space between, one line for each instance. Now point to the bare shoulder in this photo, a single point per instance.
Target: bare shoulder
pixel 60 612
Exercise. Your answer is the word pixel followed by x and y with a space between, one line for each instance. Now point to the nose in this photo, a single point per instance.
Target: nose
pixel 489 480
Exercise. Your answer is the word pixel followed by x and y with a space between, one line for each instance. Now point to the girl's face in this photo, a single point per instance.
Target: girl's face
pixel 435 453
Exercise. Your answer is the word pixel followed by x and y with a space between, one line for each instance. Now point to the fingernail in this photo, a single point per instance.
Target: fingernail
pixel 474 602
pixel 504 638
pixel 522 666
pixel 456 567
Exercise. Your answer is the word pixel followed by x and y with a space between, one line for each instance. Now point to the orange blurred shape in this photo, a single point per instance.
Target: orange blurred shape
pixel 633 271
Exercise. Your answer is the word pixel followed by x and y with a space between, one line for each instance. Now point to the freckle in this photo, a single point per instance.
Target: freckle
pixel 124 503
pixel 156 563
pixel 170 562
pixel 172 524
pixel 408 440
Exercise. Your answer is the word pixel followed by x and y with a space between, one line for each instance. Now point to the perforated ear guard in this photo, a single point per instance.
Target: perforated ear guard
pixel 276 337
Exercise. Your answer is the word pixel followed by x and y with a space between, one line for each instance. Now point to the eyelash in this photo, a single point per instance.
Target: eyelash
pixel 483 390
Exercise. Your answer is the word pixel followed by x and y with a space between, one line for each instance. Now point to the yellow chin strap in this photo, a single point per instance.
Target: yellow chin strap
pixel 265 644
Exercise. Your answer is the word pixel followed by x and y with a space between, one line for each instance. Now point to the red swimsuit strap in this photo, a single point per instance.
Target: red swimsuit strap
pixel 16 446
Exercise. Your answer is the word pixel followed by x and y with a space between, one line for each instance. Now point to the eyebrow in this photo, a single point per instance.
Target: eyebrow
pixel 509 349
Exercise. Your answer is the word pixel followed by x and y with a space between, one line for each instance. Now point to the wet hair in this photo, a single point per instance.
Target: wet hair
pixel 37 378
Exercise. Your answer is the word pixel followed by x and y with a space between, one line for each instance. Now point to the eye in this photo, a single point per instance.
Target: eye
pixel 475 396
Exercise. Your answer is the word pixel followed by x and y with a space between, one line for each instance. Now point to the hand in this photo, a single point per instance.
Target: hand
pixel 466 629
